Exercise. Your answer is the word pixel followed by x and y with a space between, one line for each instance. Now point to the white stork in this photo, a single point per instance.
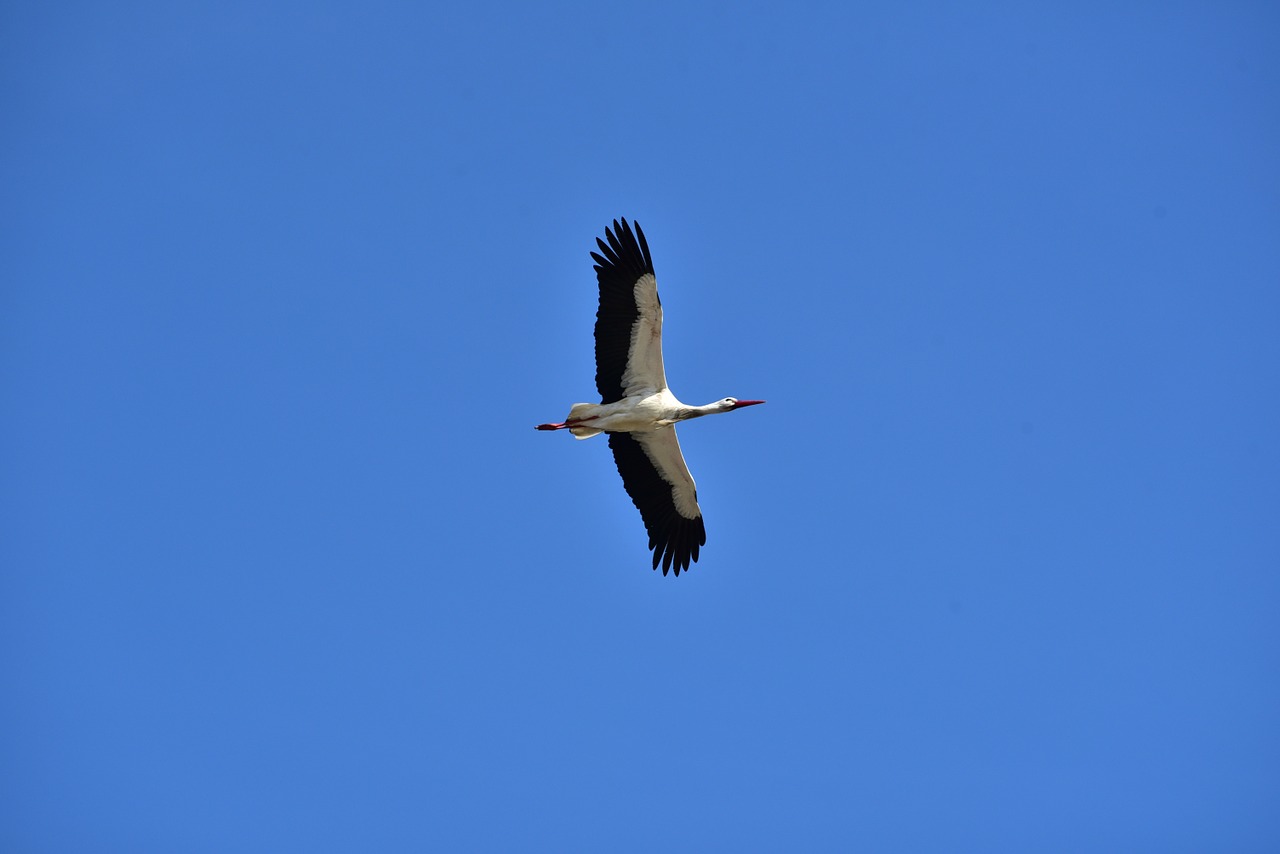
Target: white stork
pixel 636 408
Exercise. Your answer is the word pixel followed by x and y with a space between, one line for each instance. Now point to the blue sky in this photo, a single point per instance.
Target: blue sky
pixel 286 287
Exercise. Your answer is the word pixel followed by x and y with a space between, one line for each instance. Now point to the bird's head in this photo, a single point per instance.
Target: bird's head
pixel 731 403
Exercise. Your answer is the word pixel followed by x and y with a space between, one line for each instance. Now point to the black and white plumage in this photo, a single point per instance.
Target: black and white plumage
pixel 636 408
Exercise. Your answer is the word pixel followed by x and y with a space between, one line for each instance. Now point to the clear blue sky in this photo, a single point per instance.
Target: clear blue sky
pixel 286 286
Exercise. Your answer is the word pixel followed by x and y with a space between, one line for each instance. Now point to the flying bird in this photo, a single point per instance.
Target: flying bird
pixel 636 409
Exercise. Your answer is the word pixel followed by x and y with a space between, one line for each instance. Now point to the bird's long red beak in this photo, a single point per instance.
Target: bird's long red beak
pixel 743 403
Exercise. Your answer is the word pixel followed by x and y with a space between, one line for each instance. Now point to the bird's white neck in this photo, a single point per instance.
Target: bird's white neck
pixel 684 413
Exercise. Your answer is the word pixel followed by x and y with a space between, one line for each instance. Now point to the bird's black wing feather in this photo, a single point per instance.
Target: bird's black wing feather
pixel 619 265
pixel 674 538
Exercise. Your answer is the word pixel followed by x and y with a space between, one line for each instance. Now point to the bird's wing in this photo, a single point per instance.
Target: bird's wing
pixel 629 320
pixel 659 483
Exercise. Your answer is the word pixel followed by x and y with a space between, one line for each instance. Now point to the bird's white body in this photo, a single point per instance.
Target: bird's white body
pixel 637 409
pixel 638 413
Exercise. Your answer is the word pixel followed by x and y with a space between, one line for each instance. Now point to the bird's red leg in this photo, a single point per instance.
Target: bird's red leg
pixel 564 424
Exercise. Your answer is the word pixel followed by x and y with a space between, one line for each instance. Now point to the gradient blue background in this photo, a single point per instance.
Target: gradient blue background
pixel 286 286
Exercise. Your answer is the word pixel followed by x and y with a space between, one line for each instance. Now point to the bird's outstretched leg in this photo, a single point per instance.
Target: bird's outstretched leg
pixel 572 422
